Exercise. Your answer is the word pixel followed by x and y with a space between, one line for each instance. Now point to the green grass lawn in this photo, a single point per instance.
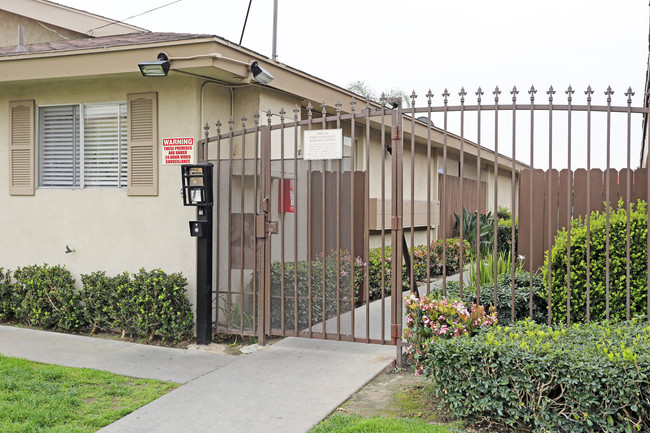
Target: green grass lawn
pixel 357 424
pixel 38 397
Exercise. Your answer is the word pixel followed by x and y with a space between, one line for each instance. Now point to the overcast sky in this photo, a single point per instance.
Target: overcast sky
pixel 422 45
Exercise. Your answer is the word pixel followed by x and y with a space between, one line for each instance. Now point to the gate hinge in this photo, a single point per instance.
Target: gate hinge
pixel 396 222
pixel 397 132
pixel 395 332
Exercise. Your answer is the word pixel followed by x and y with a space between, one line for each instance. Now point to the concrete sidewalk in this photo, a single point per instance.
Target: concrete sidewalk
pixel 286 387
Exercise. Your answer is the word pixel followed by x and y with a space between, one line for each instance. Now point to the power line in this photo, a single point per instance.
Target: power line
pixel 134 16
pixel 245 21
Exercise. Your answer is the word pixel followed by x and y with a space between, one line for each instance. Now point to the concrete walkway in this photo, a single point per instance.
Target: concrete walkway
pixel 287 387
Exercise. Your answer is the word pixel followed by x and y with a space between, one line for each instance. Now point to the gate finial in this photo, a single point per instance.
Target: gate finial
pixel 478 94
pixel 589 92
pixel 338 107
pixel 256 118
pixel 532 92
pixel 309 108
pixel 353 103
pixel 514 92
pixel 496 94
pixel 570 92
pixel 550 92
pixel 413 96
pixel 231 124
pixel 429 96
pixel 629 95
pixel 324 111
pixel 445 95
pixel 268 116
pixel 206 128
pixel 609 92
pixel 243 121
pixel 296 110
pixel 219 124
pixel 282 113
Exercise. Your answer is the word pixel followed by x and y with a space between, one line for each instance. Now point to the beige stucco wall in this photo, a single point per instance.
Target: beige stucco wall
pixel 108 230
pixel 33 32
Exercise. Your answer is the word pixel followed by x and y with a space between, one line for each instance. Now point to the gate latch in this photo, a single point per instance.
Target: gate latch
pixel 263 228
pixel 272 227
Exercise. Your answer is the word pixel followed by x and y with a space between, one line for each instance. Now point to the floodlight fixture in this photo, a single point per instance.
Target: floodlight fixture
pixel 156 68
pixel 260 74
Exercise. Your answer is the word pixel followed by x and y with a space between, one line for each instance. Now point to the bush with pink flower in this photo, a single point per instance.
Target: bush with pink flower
pixel 429 319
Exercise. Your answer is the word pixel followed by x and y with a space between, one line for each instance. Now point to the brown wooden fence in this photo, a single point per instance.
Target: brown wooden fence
pixel 588 194
pixel 453 202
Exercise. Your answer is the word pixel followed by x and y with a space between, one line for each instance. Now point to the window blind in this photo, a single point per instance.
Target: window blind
pixel 83 146
pixel 59 153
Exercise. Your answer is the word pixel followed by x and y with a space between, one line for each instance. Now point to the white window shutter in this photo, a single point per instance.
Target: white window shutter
pixel 143 144
pixel 21 147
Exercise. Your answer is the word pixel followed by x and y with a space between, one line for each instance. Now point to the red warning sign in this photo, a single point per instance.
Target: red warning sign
pixel 177 150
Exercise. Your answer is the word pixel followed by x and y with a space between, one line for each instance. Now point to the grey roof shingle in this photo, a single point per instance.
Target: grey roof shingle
pixel 101 42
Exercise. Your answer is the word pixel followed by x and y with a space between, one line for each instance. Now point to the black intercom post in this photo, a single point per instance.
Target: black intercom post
pixel 197 191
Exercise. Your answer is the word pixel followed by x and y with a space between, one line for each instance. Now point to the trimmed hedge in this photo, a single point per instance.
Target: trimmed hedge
pixel 313 299
pixel 152 303
pixel 47 298
pixel 585 378
pixel 618 263
pixel 9 300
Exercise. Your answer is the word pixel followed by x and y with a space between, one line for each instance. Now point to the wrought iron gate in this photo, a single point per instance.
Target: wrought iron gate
pixel 293 235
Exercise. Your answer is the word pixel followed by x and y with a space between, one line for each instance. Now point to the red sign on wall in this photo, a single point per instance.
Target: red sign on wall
pixel 177 150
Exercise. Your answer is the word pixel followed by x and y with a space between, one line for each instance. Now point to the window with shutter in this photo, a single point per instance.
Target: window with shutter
pixel 21 148
pixel 82 146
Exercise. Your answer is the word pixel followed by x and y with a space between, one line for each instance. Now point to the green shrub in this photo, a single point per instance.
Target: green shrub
pixel 504 236
pixel 9 300
pixel 98 297
pixel 419 261
pixel 504 213
pixel 161 304
pixel 48 297
pixel 310 304
pixel 153 303
pixel 485 273
pixel 471 221
pixel 429 319
pixel 531 377
pixel 618 261
pixel 504 296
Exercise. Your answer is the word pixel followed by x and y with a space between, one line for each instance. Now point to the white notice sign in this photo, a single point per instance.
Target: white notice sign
pixel 324 144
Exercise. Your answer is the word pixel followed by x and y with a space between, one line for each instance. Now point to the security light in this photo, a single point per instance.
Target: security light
pixel 156 68
pixel 260 74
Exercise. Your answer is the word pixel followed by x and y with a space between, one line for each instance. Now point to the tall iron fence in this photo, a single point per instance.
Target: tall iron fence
pixel 324 247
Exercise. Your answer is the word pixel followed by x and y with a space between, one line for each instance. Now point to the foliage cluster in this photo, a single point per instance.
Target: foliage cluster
pixel 429 319
pixel 307 282
pixel 617 266
pixel 588 377
pixel 482 225
pixel 501 263
pixel 503 304
pixel 422 261
pixel 148 303
pixel 340 278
